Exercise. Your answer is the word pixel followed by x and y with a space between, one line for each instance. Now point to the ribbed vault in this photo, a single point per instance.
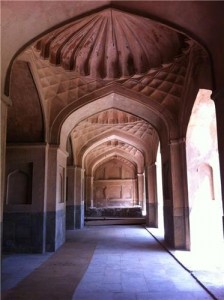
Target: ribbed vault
pixel 110 44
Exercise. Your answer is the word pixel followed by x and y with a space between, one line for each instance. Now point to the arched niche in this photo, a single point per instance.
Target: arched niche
pixel 205 173
pixel 18 188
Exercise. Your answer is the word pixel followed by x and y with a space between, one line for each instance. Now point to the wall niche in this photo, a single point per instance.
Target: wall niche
pixel 19 185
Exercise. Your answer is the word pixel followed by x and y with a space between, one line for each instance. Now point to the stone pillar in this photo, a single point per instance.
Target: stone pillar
pixel 56 184
pixel 5 102
pixel 176 210
pixel 24 227
pixel 71 194
pixel 140 189
pixel 89 191
pixel 151 196
pixel 218 97
pixel 79 204
pixel 135 196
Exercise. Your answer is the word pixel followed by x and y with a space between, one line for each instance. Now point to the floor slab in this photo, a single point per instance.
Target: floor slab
pixel 105 262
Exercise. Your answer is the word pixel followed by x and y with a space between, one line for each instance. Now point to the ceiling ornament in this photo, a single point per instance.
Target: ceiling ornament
pixel 111 44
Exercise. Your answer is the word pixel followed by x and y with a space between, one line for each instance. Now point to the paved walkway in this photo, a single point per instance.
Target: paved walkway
pixel 108 263
pixel 206 266
pixel 129 264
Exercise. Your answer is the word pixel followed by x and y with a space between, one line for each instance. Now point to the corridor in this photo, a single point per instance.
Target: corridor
pixel 107 263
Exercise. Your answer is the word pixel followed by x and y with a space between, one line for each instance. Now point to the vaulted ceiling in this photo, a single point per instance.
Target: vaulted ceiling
pixel 103 52
pixel 111 44
pixel 114 132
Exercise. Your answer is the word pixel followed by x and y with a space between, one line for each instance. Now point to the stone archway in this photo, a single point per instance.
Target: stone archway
pixel 154 88
pixel 106 133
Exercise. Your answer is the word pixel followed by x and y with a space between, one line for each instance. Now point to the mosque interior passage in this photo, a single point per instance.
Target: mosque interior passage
pixel 103 124
pixel 103 262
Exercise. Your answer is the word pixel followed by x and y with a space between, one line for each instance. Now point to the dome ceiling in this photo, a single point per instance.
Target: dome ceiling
pixel 111 44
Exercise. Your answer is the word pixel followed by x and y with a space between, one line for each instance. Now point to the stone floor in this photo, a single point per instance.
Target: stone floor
pixel 18 266
pixel 206 266
pixel 101 263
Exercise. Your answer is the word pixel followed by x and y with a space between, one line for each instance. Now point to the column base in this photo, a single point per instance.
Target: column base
pixel 152 215
pixel 223 225
pixel 175 230
pixel 23 232
pixel 55 233
pixel 79 216
pixel 70 217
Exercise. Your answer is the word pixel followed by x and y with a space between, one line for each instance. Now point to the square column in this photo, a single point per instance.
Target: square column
pixel 56 187
pixel 151 196
pixel 25 199
pixel 176 209
pixel 140 189
pixel 89 192
pixel 5 103
pixel 79 197
pixel 75 203
pixel 71 198
pixel 218 97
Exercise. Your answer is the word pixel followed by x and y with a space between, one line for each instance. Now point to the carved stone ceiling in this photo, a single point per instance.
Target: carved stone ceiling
pixel 105 125
pixel 110 44
pixel 59 89
pixel 132 164
pixel 109 48
pixel 74 63
pixel 111 149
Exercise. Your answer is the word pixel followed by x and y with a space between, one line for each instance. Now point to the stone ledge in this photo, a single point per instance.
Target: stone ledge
pixel 126 212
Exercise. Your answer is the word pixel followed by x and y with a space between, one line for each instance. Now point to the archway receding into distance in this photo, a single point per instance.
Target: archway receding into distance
pixel 127 93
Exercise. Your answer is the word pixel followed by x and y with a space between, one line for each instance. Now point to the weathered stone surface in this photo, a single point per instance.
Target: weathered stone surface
pixel 114 212
pixel 110 44
pixel 70 217
pixel 23 232
pixel 55 230
pixel 79 216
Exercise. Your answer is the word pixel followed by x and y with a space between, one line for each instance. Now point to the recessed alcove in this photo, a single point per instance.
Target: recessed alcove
pixel 115 184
